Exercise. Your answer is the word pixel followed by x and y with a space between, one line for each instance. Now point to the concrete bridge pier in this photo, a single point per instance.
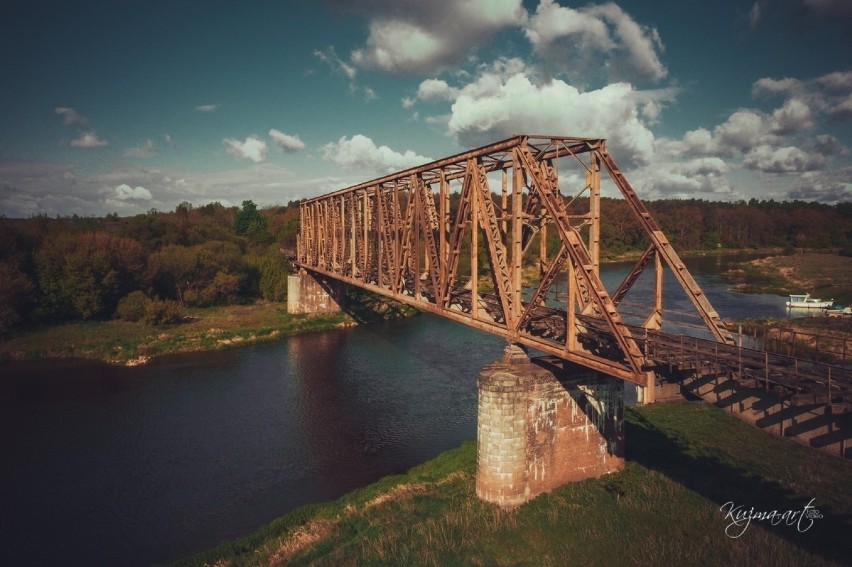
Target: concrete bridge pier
pixel 314 294
pixel 543 423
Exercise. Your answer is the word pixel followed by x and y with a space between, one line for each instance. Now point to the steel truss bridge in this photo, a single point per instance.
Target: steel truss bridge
pixel 439 238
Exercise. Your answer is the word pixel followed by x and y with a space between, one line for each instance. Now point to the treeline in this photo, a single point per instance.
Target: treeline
pixel 148 267
pixel 153 266
pixel 696 224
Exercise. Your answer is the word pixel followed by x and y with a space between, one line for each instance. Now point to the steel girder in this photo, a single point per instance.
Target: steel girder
pixel 389 236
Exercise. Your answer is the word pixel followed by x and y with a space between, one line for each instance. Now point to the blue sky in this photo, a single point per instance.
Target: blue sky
pixel 130 106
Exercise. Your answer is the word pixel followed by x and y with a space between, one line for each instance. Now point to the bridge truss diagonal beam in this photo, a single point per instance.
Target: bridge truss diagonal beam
pixel 426 236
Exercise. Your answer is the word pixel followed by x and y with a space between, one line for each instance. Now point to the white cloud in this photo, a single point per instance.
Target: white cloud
pixel 741 131
pixel 700 178
pixel 169 140
pixel 407 102
pixel 344 69
pixel 207 108
pixel 71 117
pixel 829 95
pixel 435 89
pixel 29 188
pixel 788 159
pixel 828 145
pixel 400 46
pixel 423 37
pixel 794 116
pixel 335 63
pixel 253 148
pixel 146 149
pixel 287 142
pixel 360 153
pixel 88 139
pixel 494 107
pixel 125 192
pixel 582 39
pixel 826 187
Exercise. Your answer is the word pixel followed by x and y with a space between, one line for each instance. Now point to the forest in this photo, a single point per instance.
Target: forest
pixel 153 266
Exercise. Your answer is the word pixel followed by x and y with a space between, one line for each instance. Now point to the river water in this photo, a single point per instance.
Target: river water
pixel 134 466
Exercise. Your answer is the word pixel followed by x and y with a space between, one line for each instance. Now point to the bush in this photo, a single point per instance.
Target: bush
pixel 163 312
pixel 132 307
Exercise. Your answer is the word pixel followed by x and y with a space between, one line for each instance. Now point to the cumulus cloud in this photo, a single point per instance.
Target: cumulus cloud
pixel 125 192
pixel 794 116
pixel 146 149
pixel 253 148
pixel 692 179
pixel 287 142
pixel 207 108
pixel 576 40
pixel 828 145
pixel 71 117
pixel 488 109
pixel 88 139
pixel 742 131
pixel 824 187
pixel 360 153
pixel 432 90
pixel 829 95
pixel 423 37
pixel 788 159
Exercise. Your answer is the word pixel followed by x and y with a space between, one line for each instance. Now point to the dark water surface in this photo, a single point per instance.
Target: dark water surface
pixel 133 466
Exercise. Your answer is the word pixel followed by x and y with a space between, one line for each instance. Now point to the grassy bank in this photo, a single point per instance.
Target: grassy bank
pixel 822 275
pixel 685 461
pixel 211 328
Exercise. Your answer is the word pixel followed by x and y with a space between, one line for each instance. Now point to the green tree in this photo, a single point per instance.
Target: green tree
pixel 85 274
pixel 249 219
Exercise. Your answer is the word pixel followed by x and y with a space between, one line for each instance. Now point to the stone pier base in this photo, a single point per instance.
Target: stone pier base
pixel 542 424
pixel 309 293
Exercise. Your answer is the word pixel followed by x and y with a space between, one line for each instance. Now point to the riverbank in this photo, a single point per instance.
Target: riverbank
pixel 826 276
pixel 668 506
pixel 212 328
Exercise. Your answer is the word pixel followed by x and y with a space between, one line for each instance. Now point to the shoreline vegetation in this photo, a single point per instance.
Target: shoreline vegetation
pixel 673 504
pixel 132 343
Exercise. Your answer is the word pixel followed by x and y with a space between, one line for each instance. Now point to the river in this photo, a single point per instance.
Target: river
pixel 134 466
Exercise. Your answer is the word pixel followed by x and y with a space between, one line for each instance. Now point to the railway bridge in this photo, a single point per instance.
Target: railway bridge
pixel 506 238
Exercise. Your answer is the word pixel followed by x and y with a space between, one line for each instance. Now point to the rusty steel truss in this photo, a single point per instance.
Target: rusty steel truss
pixel 435 237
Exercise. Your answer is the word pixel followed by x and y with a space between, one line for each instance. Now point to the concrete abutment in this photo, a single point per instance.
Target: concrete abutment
pixel 314 294
pixel 543 423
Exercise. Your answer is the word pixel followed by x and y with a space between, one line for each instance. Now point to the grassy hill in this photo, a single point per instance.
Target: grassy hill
pixel 669 506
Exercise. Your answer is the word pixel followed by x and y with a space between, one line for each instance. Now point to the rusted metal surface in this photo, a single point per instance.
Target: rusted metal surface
pixel 400 236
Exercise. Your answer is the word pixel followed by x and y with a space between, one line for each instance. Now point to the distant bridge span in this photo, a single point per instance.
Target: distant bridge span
pixel 435 237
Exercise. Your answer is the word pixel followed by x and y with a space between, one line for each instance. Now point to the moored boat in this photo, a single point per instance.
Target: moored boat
pixel 807 302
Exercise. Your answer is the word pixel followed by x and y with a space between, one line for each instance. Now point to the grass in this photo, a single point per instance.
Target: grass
pixel 210 328
pixel 822 275
pixel 684 462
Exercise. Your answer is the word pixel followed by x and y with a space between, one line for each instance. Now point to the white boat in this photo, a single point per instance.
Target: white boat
pixel 807 302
